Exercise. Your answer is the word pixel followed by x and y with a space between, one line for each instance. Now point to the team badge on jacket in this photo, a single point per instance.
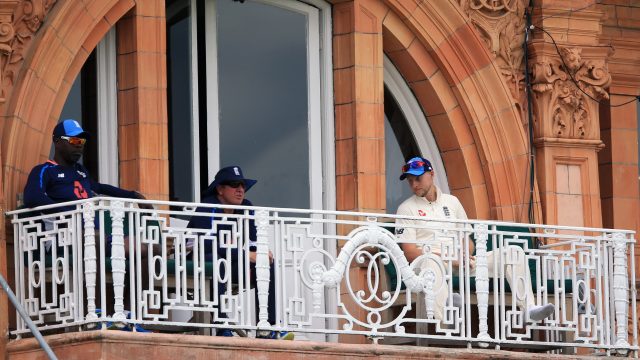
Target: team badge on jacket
pixel 421 213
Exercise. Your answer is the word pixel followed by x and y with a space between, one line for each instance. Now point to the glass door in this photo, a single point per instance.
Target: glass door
pixel 263 98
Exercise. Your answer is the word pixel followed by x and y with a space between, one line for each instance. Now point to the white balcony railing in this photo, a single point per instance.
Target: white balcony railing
pixel 147 267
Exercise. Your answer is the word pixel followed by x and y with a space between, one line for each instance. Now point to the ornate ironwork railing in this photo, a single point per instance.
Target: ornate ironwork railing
pixel 105 262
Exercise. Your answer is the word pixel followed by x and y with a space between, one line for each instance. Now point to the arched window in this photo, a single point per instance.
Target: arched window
pixel 92 101
pixel 407 134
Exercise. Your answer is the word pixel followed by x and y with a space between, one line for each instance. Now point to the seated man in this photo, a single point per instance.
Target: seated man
pixel 63 179
pixel 228 188
pixel 429 202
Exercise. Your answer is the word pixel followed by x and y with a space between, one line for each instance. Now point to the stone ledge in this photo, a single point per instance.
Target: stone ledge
pixel 119 345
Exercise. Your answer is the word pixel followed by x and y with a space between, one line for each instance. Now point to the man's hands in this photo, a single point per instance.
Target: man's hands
pixel 472 262
pixel 254 255
pixel 140 205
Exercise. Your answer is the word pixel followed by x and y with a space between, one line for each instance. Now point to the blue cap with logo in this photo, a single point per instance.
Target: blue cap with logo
pixel 69 127
pixel 416 166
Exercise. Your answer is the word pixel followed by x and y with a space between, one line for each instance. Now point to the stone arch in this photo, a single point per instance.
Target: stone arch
pixel 475 120
pixel 51 64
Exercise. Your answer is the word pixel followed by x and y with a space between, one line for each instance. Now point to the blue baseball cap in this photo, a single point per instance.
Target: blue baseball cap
pixel 69 127
pixel 229 174
pixel 416 166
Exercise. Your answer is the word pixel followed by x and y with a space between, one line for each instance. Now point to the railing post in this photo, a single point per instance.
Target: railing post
pixel 481 234
pixel 118 267
pixel 316 271
pixel 620 289
pixel 90 264
pixel 429 279
pixel 262 267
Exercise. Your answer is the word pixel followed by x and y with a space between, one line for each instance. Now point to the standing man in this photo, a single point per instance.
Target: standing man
pixel 229 188
pixel 63 178
pixel 429 202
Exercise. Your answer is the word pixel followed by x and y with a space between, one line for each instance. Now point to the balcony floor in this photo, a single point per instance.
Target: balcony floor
pixel 109 345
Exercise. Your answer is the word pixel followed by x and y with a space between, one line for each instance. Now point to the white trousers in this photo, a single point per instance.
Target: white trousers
pixel 516 272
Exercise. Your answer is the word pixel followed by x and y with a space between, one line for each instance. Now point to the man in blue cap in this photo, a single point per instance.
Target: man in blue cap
pixel 229 188
pixel 63 178
pixel 430 203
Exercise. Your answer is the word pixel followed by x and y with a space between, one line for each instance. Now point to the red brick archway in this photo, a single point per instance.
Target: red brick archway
pixel 57 54
pixel 468 105
pixel 51 63
pixel 470 110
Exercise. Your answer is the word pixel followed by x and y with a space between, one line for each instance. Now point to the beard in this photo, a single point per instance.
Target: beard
pixel 422 192
pixel 74 157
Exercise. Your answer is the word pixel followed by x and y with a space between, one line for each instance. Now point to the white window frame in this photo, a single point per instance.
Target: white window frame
pixel 321 139
pixel 195 107
pixel 320 99
pixel 107 103
pixel 416 121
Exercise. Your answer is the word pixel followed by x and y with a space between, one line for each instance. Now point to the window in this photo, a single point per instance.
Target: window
pixel 92 102
pixel 407 134
pixel 181 110
pixel 258 96
pixel 399 147
pixel 249 84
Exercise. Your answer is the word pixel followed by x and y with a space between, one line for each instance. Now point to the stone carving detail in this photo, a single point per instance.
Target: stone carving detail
pixel 559 99
pixel 19 21
pixel 501 25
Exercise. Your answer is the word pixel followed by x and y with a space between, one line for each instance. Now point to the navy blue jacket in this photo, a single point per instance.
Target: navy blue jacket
pixel 50 183
pixel 206 222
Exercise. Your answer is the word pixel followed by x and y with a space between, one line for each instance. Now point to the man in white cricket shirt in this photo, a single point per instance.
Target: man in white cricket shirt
pixel 430 203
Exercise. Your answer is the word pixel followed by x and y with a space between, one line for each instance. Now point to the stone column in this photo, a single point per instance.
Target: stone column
pixel 568 83
pixel 4 303
pixel 359 107
pixel 7 36
pixel 619 125
pixel 359 117
pixel 142 93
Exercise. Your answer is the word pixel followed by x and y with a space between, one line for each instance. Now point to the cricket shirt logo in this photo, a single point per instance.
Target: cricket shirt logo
pixel 79 190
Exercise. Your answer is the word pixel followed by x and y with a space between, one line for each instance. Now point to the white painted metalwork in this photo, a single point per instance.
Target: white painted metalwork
pixel 195 97
pixel 262 266
pixel 107 103
pixel 118 268
pixel 90 257
pixel 482 282
pixel 156 268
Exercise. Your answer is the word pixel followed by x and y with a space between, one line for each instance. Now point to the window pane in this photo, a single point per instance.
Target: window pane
pixel 263 96
pixel 397 191
pixel 181 182
pixel 399 146
pixel 72 108
pixel 81 106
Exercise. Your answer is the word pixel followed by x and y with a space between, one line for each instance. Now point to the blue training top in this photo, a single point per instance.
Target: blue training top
pixel 209 222
pixel 50 183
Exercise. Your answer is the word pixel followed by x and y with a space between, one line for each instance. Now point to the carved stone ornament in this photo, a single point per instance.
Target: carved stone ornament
pixel 501 25
pixel 19 21
pixel 569 111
